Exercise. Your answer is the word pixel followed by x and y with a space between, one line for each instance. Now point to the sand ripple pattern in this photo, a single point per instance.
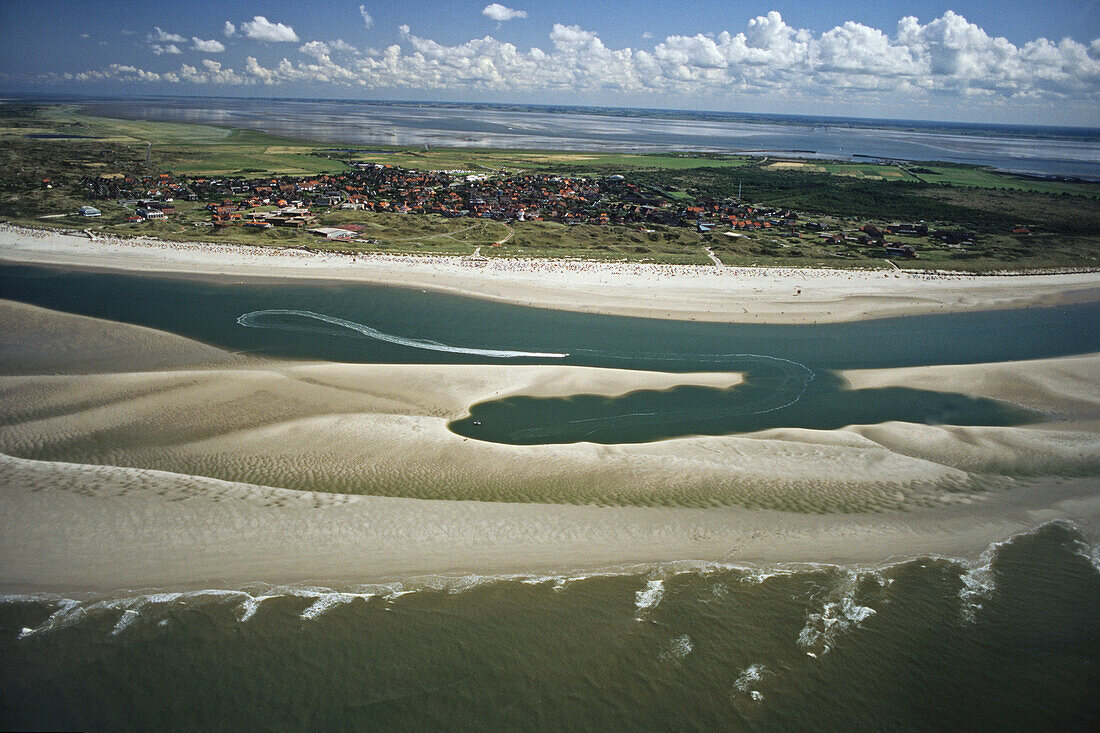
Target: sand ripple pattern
pixel 299 320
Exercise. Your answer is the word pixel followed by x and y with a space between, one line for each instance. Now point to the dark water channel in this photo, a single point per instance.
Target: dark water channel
pixel 790 371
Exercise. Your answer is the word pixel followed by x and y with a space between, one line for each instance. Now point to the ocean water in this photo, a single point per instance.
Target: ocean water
pixel 1026 149
pixel 1007 642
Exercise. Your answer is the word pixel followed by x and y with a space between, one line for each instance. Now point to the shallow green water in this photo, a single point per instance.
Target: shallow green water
pixel 790 370
pixel 1010 643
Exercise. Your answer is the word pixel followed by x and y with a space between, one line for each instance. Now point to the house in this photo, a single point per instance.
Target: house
pixel 334 233
pixel 90 211
pixel 900 250
pixel 919 230
pixel 151 214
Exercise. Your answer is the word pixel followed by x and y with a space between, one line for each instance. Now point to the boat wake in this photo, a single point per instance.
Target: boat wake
pixel 300 320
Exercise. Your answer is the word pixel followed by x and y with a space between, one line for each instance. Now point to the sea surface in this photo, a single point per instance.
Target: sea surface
pixel 1009 641
pixel 1031 149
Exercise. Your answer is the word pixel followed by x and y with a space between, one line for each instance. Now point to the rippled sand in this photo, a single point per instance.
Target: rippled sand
pixel 203 459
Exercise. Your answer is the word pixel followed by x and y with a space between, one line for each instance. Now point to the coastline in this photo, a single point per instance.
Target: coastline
pixel 680 292
pixel 189 533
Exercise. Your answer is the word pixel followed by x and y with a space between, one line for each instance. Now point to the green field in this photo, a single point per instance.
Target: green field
pixel 178 148
pixel 981 178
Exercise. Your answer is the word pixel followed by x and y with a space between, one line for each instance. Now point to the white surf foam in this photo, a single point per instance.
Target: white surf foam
pixel 255 319
pixel 678 648
pixel 249 606
pixel 647 598
pixel 128 617
pixel 840 613
pixel 978 584
pixel 68 611
pixel 326 602
pixel 747 680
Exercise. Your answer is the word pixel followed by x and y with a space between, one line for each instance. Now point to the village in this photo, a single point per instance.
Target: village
pixel 612 200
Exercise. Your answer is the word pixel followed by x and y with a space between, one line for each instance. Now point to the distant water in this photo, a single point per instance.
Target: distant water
pixel 1010 642
pixel 1056 151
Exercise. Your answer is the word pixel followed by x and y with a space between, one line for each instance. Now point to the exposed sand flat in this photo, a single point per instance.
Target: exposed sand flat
pixel 381 429
pixel 1067 386
pixel 71 528
pixel 726 294
pixel 202 457
pixel 39 341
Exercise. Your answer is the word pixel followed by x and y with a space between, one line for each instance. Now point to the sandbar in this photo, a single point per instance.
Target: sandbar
pixel 178 469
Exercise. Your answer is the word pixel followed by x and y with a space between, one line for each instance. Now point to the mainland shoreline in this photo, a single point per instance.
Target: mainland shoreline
pixel 680 292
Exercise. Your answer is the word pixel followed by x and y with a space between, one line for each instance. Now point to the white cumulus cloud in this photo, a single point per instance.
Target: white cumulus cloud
pixel 368 21
pixel 316 49
pixel 500 13
pixel 211 46
pixel 162 36
pixel 946 60
pixel 262 29
pixel 228 29
pixel 342 46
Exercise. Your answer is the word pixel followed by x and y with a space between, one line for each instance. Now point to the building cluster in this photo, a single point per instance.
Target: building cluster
pixel 292 202
pixel 383 188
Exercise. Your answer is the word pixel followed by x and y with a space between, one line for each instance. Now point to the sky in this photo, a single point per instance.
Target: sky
pixel 1010 61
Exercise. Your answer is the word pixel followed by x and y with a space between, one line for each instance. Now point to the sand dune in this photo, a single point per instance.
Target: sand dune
pixel 38 341
pixel 381 429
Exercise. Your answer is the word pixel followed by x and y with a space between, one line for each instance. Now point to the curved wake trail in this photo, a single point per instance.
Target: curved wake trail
pixel 270 319
pixel 772 383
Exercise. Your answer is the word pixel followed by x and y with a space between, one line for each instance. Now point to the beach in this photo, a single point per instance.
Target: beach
pixel 118 474
pixel 683 292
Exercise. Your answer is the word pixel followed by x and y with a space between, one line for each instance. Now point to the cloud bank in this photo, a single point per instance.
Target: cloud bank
pixel 948 57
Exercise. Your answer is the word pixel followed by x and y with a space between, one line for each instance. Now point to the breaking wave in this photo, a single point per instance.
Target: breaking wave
pixel 291 320
pixel 838 602
pixel 748 680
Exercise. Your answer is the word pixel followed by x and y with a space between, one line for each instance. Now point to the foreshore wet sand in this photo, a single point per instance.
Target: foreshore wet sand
pixel 120 471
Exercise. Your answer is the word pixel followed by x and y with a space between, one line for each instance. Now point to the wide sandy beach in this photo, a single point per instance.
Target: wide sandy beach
pixel 183 493
pixel 686 292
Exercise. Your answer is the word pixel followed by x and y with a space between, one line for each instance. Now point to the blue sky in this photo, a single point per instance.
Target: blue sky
pixel 1010 61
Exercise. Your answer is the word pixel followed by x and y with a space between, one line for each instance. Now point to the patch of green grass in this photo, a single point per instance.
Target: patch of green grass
pixel 983 178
